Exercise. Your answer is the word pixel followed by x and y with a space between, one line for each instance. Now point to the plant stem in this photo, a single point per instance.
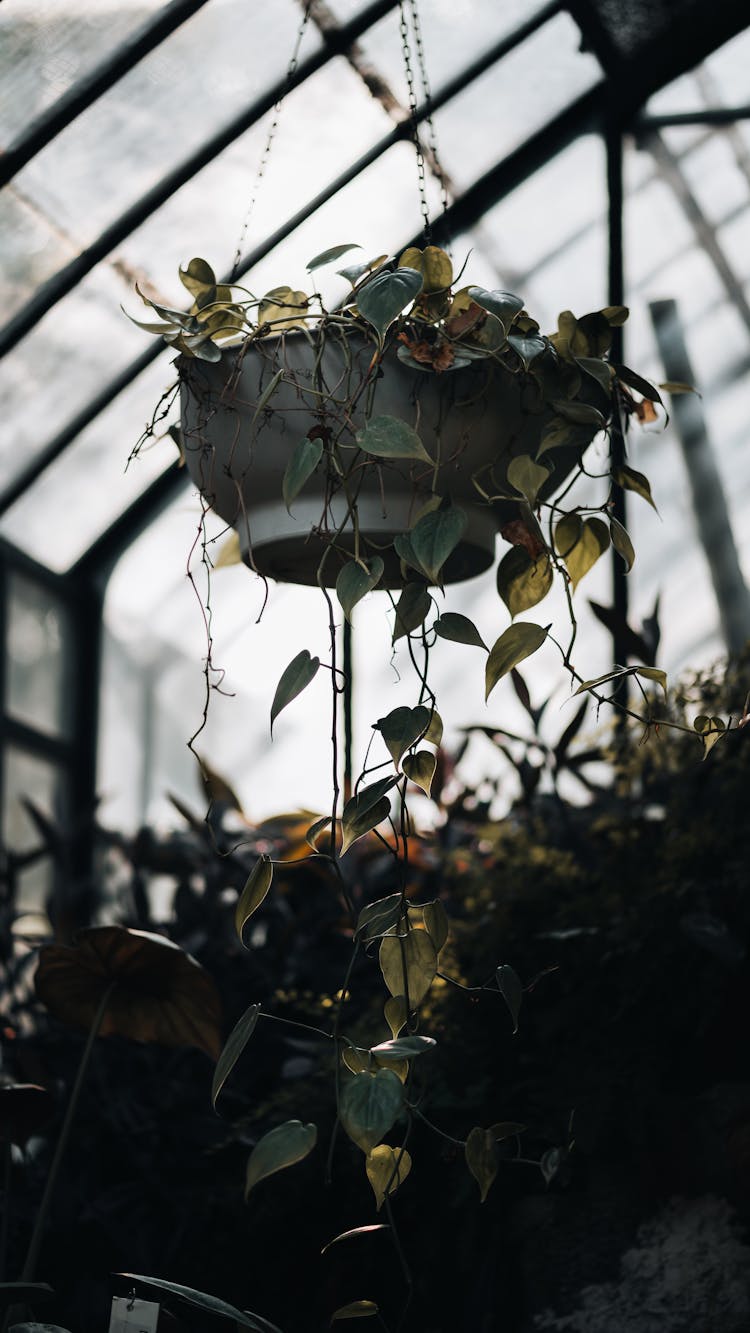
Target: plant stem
pixel 29 1267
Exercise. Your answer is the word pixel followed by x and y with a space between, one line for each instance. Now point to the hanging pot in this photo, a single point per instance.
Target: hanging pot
pixel 243 415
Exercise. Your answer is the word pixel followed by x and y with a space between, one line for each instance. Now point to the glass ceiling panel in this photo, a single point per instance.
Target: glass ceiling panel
pixel 498 111
pixel 174 99
pixel 721 80
pixel 46 47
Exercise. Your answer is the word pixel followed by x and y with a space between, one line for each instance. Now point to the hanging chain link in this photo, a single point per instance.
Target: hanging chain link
pixel 427 117
pixel 263 164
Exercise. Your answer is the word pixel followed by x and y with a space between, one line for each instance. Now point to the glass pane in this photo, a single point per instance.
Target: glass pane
pixel 39 663
pixel 27 776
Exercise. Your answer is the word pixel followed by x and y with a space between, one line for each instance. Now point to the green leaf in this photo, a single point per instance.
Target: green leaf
pixel 365 811
pixel 527 346
pixel 435 536
pixel 211 1304
pixel 510 988
pixel 294 679
pixel 369 1105
pixel 328 256
pixel 515 644
pixel 235 1045
pixel 356 271
pixel 621 542
pixel 403 1048
pixel 257 886
pixel 280 1147
pixel 521 581
pixel 420 769
pixel 401 728
pixel 378 918
pixel 637 382
pixel 382 299
pixel 411 609
pixel 355 580
pixel 550 1164
pixel 386 1168
pixel 436 923
pixel 355 1310
pixel 396 1013
pixel 302 463
pixel 580 542
pixel 631 480
pixel 580 414
pixel 556 435
pixel 315 829
pixel 416 957
pixel 599 370
pixel 603 680
pixel 526 476
pixel 482 1159
pixel 503 305
pixel 459 629
pixel 505 1129
pixel 388 437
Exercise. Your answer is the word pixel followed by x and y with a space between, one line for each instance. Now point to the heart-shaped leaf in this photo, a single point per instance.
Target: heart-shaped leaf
pixel 389 437
pixel 365 811
pixel 580 542
pixel 631 480
pixel 408 965
pixel 403 1048
pixel 621 541
pixel 198 277
pixel 401 728
pixel 386 1168
pixel 280 1147
pixel 257 886
pixel 516 643
pixel 420 769
pixel 459 629
pixel 435 536
pixel 482 1158
pixel 434 265
pixel 411 609
pixel 355 579
pixel 526 476
pixel 580 414
pixel 303 462
pixel 369 1105
pixel 382 299
pixel 395 1013
pixel 503 305
pixel 527 346
pixel 294 679
pixel 521 581
pixel 235 1045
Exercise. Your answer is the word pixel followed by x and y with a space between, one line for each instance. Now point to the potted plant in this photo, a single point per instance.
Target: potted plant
pixel 381 445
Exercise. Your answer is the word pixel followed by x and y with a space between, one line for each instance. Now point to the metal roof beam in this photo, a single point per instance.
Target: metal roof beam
pixel 98 81
pixel 713 115
pixel 101 401
pixel 63 282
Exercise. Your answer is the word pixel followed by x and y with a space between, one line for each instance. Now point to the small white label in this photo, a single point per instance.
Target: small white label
pixel 132 1316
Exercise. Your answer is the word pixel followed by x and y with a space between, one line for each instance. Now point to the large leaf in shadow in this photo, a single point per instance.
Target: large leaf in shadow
pixel 159 993
pixel 211 1304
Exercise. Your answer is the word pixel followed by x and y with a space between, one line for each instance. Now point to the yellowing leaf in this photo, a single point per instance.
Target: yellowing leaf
pixel 482 1158
pixel 635 481
pixel 283 308
pixel 408 965
pixel 580 542
pixel 434 265
pixel 396 1013
pixel 386 1168
pixel 522 581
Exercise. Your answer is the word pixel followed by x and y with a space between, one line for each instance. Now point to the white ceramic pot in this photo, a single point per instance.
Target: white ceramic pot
pixel 471 421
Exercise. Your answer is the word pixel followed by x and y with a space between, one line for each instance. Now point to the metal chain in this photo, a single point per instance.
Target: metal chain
pixel 263 164
pixel 427 95
pixel 406 50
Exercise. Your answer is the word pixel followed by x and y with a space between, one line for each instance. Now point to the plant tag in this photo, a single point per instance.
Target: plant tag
pixel 133 1316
